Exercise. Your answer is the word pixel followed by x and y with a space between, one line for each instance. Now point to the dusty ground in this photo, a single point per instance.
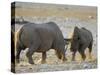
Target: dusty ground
pixel 56 67
pixel 66 17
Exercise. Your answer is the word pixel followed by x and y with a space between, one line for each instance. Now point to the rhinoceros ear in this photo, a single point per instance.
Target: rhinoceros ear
pixel 77 29
pixel 77 32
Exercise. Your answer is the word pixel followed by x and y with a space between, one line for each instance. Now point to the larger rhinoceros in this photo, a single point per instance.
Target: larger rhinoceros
pixel 40 38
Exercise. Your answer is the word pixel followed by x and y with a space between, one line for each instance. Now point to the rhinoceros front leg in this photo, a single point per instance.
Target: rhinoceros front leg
pixel 43 57
pixel 64 58
pixel 81 51
pixel 73 56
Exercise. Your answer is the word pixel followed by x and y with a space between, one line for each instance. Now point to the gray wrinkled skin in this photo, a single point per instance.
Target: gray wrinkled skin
pixel 82 39
pixel 40 38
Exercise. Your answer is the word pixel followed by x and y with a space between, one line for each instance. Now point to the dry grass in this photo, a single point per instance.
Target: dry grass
pixel 54 11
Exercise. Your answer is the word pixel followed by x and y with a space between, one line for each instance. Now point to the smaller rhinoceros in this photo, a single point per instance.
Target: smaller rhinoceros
pixel 82 39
